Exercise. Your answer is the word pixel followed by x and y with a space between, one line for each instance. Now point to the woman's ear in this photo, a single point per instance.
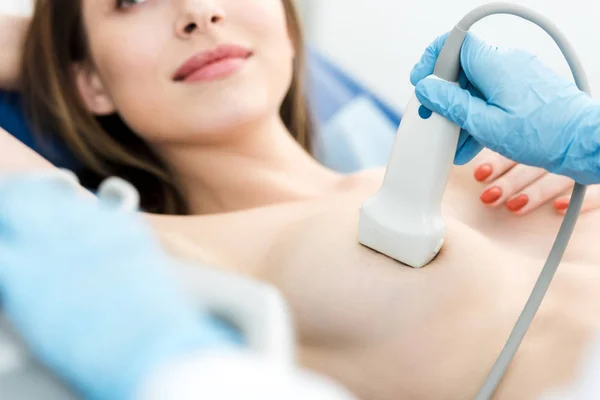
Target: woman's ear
pixel 91 90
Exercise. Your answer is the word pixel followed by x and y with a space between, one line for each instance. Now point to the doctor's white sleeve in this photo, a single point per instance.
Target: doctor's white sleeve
pixel 229 375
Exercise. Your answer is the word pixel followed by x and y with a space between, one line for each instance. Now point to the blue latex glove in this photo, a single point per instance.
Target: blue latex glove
pixel 511 103
pixel 90 291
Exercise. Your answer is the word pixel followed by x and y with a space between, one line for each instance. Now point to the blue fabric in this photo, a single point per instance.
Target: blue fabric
pixel 13 120
pixel 355 128
pixel 331 91
pixel 359 136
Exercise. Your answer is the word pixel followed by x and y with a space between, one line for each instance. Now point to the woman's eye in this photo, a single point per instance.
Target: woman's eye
pixel 128 3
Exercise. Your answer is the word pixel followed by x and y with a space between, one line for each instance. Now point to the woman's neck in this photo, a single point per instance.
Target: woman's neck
pixel 263 165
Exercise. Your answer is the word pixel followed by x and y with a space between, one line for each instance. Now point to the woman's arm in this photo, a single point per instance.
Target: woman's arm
pixel 178 234
pixel 16 157
pixel 12 36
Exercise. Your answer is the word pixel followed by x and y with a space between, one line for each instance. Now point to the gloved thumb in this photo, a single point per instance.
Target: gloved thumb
pixel 444 98
pixel 469 112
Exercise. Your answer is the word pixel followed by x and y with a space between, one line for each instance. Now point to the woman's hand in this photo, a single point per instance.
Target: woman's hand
pixel 522 189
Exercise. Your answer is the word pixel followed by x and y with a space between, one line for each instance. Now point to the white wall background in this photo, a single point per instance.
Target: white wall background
pixel 378 41
pixel 15 6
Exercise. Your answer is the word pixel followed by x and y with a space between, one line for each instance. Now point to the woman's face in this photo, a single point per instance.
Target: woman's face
pixel 241 65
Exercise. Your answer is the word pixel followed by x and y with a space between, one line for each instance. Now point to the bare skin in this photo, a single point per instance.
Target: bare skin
pixel 388 331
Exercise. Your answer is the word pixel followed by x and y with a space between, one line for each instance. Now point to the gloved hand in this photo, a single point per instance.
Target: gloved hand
pixel 514 105
pixel 89 289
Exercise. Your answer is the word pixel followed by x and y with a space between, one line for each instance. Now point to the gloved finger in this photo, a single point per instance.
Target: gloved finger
pixel 474 91
pixel 512 182
pixel 474 60
pixel 590 203
pixel 39 208
pixel 8 261
pixel 444 98
pixel 26 200
pixel 490 166
pixel 464 83
pixel 427 62
pixel 463 138
pixel 486 123
pixel 64 178
pixel 467 149
pixel 538 193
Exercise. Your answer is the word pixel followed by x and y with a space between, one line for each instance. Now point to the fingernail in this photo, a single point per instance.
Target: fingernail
pixel 561 204
pixel 491 195
pixel 483 172
pixel 517 203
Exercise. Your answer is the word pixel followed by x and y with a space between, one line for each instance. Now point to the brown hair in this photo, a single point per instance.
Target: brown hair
pixel 105 145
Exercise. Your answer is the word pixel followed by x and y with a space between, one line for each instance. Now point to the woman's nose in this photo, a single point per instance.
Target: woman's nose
pixel 197 16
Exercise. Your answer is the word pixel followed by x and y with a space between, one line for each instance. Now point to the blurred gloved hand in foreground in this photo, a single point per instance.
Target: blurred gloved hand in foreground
pixel 90 291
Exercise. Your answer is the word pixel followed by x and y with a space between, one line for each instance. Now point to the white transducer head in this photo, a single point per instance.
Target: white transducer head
pixel 403 220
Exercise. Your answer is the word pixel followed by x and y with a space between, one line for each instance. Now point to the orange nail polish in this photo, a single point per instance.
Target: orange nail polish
pixel 491 195
pixel 517 203
pixel 483 172
pixel 561 204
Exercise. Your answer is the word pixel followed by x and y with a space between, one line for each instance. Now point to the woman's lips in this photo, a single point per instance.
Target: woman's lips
pixel 217 70
pixel 216 63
